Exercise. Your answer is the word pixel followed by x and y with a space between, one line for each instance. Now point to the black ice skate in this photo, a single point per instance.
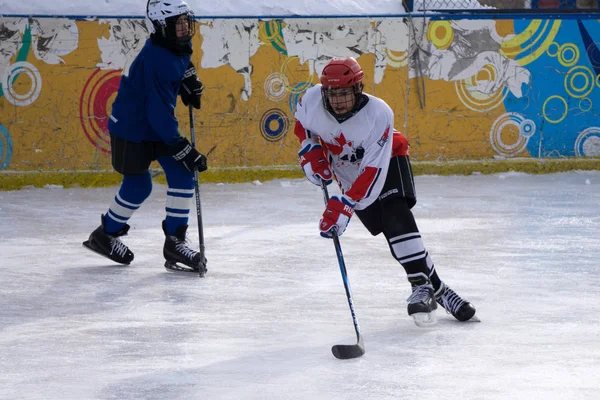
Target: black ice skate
pixel 461 309
pixel 109 245
pixel 422 305
pixel 179 257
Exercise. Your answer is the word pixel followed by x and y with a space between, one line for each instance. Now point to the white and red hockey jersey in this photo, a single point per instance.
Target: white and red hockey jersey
pixel 359 149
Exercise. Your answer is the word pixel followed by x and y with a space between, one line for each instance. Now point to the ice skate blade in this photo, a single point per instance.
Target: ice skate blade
pixel 425 320
pixel 89 246
pixel 175 267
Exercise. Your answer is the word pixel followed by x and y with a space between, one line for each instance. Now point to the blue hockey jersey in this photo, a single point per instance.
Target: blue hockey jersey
pixel 144 109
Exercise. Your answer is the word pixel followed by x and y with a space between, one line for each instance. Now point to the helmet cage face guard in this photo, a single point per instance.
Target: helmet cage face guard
pixel 164 15
pixel 350 104
pixel 342 73
pixel 171 27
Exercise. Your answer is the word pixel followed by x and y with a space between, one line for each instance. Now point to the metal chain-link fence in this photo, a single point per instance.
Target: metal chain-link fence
pixel 537 5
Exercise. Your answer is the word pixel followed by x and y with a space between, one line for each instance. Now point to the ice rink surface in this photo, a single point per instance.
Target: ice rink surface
pixel 523 248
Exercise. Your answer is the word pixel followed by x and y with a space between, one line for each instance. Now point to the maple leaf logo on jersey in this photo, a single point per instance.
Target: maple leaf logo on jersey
pixel 384 137
pixel 337 149
pixel 344 149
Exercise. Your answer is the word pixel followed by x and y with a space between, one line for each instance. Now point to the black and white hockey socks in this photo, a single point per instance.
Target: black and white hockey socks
pixel 410 252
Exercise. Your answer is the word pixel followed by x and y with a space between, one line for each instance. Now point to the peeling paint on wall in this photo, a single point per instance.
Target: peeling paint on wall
pixel 464 89
pixel 50 39
pixel 231 42
pixel 458 50
pixel 11 30
pixel 53 39
pixel 127 37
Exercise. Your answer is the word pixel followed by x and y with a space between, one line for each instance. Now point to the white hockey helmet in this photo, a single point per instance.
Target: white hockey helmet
pixel 163 14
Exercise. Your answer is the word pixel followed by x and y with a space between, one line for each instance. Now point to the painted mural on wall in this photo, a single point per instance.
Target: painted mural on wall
pixel 536 81
pixel 465 89
pixel 564 95
pixel 21 42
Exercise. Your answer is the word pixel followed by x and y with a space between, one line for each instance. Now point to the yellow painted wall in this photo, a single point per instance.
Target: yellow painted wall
pixel 461 90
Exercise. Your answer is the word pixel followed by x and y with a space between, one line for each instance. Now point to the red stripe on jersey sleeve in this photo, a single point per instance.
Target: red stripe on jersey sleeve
pixel 361 185
pixel 300 132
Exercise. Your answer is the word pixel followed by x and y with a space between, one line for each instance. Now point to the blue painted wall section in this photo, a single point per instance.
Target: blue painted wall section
pixel 563 97
pixel 6 147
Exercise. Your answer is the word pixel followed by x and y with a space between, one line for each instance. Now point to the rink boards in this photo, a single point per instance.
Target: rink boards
pixel 471 89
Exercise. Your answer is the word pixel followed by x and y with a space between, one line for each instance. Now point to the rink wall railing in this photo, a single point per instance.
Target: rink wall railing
pixel 492 6
pixel 471 93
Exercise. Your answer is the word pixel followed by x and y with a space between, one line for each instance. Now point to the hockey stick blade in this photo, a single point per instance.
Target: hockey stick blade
pixel 347 351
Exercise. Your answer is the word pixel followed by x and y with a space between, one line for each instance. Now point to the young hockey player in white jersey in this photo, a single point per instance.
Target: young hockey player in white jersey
pixel 349 135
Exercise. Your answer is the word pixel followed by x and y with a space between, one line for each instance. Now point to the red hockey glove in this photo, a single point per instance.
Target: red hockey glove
pixel 315 165
pixel 336 216
pixel 399 145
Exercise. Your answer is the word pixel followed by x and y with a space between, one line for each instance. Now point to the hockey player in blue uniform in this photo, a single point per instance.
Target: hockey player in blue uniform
pixel 143 128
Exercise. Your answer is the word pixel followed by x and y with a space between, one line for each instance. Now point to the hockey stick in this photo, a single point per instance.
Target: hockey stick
pixel 345 351
pixel 202 269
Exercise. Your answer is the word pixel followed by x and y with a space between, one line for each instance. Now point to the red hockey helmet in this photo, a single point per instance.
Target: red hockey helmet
pixel 342 85
pixel 342 72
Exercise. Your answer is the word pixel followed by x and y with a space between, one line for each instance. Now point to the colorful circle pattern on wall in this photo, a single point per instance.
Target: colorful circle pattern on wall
pixel 396 59
pixel 475 100
pixel 580 81
pixel 441 34
pixel 515 127
pixel 588 143
pixel 550 107
pixel 272 31
pixel 275 86
pixel 532 42
pixel 297 93
pixel 11 78
pixel 97 92
pixel 274 124
pixel 292 76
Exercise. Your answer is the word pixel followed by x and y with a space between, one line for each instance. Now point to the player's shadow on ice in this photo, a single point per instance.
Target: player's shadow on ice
pixel 89 290
pixel 252 376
